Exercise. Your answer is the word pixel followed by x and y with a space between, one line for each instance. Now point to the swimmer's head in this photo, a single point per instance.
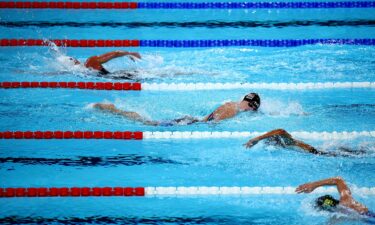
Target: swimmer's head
pixel 326 203
pixel 75 61
pixel 252 100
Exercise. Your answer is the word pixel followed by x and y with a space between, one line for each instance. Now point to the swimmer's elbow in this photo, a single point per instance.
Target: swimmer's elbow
pixel 281 132
pixel 339 179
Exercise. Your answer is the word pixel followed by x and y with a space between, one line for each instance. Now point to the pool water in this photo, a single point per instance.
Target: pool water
pixel 185 162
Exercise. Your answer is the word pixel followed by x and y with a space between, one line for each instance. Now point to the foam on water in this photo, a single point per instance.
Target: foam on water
pixel 348 148
pixel 276 108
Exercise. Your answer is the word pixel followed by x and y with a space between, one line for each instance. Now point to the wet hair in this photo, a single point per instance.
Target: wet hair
pixel 326 203
pixel 253 100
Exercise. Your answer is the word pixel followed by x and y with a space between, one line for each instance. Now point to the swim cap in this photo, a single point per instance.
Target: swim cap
pixel 326 202
pixel 253 100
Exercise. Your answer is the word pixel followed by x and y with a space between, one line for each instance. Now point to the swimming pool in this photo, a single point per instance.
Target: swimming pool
pixel 188 159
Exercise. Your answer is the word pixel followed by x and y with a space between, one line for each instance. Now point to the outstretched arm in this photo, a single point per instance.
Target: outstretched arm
pixel 130 115
pixel 342 188
pixel 115 54
pixel 289 140
pixel 346 198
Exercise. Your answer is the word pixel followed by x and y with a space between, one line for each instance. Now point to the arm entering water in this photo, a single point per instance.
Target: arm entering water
pixel 96 62
pixel 346 198
pixel 288 139
pixel 115 54
pixel 130 115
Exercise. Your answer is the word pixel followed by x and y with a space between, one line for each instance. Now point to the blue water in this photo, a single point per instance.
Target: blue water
pixel 217 162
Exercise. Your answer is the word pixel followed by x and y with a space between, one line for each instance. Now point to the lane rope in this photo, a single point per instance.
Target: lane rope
pixel 255 5
pixel 187 5
pixel 163 191
pixel 72 192
pixel 227 134
pixel 69 5
pixel 73 85
pixel 138 135
pixel 245 190
pixel 70 43
pixel 196 24
pixel 188 43
pixel 125 135
pixel 183 86
pixel 272 86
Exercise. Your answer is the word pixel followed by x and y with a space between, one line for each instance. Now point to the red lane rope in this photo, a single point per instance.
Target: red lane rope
pixel 71 192
pixel 70 43
pixel 79 85
pixel 70 5
pixel 124 135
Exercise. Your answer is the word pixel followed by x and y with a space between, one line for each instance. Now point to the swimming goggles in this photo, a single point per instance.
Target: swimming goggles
pixel 251 102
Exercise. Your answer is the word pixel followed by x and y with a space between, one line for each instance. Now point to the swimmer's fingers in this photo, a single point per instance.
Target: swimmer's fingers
pixel 250 143
pixel 304 188
pixel 137 55
pixel 300 189
pixel 134 55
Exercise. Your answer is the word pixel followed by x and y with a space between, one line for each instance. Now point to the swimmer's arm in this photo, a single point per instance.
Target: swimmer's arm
pixel 309 148
pixel 205 119
pixel 115 54
pixel 255 140
pixel 339 182
pixel 273 133
pixel 221 113
pixel 130 115
pixel 291 141
pixel 346 198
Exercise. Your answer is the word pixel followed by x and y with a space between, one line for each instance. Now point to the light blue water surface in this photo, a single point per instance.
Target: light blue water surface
pixel 217 162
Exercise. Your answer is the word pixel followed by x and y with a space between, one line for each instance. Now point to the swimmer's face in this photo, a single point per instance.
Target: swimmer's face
pixel 76 62
pixel 252 102
pixel 249 106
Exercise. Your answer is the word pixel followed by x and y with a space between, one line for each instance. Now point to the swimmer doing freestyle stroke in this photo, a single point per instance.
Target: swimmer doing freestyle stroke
pixel 328 203
pixel 96 63
pixel 250 102
pixel 282 138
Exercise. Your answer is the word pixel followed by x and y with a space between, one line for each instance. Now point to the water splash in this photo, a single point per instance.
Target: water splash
pixel 62 63
pixel 277 108
pixel 348 148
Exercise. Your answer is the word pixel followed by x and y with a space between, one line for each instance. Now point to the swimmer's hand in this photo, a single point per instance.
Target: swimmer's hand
pixel 134 55
pixel 305 188
pixel 131 55
pixel 251 143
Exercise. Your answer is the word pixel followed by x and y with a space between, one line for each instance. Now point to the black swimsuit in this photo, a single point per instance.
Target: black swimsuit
pixel 103 71
pixel 116 76
pixel 211 117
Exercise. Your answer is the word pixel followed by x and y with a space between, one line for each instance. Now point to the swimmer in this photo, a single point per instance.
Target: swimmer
pixel 250 102
pixel 96 62
pixel 282 138
pixel 329 203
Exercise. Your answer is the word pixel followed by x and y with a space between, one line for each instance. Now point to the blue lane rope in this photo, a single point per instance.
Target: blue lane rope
pixel 255 5
pixel 252 42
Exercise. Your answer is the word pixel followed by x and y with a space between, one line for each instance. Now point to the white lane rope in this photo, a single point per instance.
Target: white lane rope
pixel 272 86
pixel 245 190
pixel 227 134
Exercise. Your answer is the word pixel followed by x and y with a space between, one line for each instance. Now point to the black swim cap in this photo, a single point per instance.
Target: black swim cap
pixel 326 202
pixel 253 100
